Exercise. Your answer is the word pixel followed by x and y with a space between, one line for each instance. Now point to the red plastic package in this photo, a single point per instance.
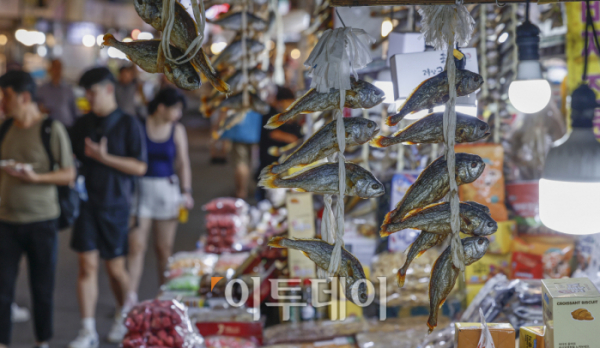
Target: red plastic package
pixel 226 205
pixel 164 324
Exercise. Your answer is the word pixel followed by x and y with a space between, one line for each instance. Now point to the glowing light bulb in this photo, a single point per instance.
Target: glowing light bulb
pixel 570 207
pixel 295 54
pixel 144 35
pixel 3 39
pixel 135 33
pixel 529 96
pixel 88 40
pixel 218 47
pixel 386 27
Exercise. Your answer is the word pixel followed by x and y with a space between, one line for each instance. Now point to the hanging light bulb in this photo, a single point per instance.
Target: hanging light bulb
pixel 386 27
pixel 530 92
pixel 570 185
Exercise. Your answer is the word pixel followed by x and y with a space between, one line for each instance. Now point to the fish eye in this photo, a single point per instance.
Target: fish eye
pixel 480 241
pixel 375 186
pixel 490 224
pixel 476 78
pixel 363 296
pixel 369 125
pixel 482 127
pixel 190 79
pixel 473 164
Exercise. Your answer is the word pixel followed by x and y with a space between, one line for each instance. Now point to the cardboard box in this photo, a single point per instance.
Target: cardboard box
pixel 531 336
pixel 467 335
pixel 571 313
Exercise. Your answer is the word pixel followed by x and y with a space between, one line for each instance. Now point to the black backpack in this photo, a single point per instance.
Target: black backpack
pixel 68 198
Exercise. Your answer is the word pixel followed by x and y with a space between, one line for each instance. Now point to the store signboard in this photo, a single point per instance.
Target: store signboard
pixel 301 224
pixel 409 70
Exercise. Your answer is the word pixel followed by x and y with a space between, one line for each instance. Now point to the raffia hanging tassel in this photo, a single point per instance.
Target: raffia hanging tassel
pixel 443 26
pixel 168 20
pixel 339 53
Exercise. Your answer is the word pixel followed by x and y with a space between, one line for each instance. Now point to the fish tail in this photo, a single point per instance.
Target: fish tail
pixel 109 40
pixel 431 322
pixel 268 170
pixel 394 119
pixel 388 217
pixel 219 84
pixel 381 141
pixel 401 277
pixel 275 121
pixel 270 180
pixel 277 242
pixel 386 230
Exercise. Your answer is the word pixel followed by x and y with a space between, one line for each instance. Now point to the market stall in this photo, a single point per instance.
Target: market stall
pixel 424 197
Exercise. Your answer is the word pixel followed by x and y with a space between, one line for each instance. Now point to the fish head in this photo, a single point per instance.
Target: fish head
pixel 365 184
pixel 484 225
pixel 481 129
pixel 471 81
pixel 473 130
pixel 356 288
pixel 475 248
pixel 468 167
pixel 368 95
pixel 255 46
pixel 363 130
pixel 187 79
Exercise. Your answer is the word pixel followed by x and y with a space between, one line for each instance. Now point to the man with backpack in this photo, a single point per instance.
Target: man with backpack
pixel 111 148
pixel 35 154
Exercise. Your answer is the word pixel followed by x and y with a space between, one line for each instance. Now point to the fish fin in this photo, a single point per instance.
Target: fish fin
pixel 274 122
pixel 351 93
pixel 216 81
pixel 409 143
pixel 442 302
pixel 108 40
pixel 305 253
pixel 216 135
pixel 378 141
pixel 418 210
pixel 268 181
pixel 412 94
pixel 275 242
pixel 267 170
pixel 300 189
pixel 420 253
pixel 168 68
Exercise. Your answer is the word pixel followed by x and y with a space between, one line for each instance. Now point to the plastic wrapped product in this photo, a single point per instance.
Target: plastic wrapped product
pixel 226 205
pixel 160 324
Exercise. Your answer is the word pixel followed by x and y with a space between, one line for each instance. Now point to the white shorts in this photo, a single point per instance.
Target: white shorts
pixel 157 198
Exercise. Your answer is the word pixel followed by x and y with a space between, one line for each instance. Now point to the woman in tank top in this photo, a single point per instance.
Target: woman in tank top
pixel 164 189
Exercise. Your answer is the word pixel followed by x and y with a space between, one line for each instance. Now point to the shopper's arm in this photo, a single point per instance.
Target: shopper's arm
pixel 127 165
pixel 61 177
pixel 182 165
pixel 284 137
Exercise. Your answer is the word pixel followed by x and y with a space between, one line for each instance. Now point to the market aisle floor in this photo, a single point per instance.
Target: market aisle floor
pixel 209 180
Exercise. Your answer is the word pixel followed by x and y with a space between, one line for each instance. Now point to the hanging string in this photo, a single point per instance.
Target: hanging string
pixel 245 96
pixel 168 20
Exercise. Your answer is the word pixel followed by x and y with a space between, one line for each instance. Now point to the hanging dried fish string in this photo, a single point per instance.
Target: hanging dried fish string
pixel 338 53
pixel 443 25
pixel 168 20
pixel 278 74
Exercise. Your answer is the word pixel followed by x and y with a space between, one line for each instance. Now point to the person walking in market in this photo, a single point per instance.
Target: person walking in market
pixel 166 187
pixel 36 157
pixel 57 97
pixel 110 145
